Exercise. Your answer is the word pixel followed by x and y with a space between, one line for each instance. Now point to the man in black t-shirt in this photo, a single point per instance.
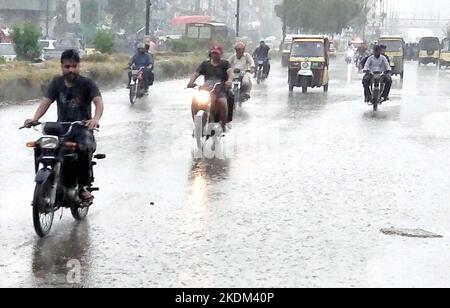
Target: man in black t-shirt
pixel 215 70
pixel 74 95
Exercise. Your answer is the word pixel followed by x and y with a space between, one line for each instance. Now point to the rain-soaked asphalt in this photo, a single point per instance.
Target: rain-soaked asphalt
pixel 306 185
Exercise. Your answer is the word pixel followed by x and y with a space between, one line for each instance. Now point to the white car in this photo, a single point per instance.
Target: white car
pixel 7 51
pixel 48 44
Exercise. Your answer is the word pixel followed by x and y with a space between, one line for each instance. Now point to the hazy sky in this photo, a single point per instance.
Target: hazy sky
pixel 423 7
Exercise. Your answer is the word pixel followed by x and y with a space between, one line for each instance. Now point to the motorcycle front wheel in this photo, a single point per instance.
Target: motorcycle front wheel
pixel 134 93
pixel 43 211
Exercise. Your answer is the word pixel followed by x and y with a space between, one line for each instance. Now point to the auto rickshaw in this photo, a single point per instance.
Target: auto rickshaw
pixel 286 51
pixel 396 52
pixel 444 59
pixel 309 63
pixel 430 48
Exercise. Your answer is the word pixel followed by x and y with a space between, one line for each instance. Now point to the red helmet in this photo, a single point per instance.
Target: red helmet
pixel 240 45
pixel 216 49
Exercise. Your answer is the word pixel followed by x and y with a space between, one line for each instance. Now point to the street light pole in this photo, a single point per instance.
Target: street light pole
pixel 47 20
pixel 238 17
pixel 147 17
pixel 285 11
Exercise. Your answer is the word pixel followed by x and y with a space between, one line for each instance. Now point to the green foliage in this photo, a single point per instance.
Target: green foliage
pixel 97 58
pixel 2 60
pixel 26 41
pixel 104 41
pixel 323 16
pixel 187 45
pixel 89 12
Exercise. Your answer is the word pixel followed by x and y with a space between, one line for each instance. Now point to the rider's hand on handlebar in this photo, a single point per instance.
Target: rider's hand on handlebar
pixel 92 124
pixel 229 84
pixel 29 123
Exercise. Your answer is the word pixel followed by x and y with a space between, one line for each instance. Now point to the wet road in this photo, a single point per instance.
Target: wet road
pixel 306 185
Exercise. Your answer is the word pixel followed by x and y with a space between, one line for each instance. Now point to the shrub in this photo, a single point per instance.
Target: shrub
pixel 26 41
pixel 2 60
pixel 187 45
pixel 96 58
pixel 104 41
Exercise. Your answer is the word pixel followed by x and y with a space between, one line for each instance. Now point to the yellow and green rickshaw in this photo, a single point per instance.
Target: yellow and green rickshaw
pixel 309 63
pixel 395 50
pixel 444 59
pixel 429 50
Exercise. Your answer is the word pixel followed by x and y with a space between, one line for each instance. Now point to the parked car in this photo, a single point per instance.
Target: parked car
pixel 7 51
pixel 48 44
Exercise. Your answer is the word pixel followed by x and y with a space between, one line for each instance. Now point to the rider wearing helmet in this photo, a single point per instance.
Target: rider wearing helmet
pixel 262 53
pixel 244 62
pixel 143 59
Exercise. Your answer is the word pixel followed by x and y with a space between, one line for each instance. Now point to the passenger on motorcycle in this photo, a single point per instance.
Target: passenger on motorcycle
pixel 377 63
pixel 74 95
pixel 244 62
pixel 216 70
pixel 142 59
pixel 262 53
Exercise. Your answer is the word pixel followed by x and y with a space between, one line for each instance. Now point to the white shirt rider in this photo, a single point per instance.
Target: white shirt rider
pixel 374 64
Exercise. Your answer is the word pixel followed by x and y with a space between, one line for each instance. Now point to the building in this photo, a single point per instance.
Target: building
pixel 34 11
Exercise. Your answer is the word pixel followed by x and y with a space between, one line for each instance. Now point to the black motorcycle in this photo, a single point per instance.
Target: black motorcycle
pixel 260 65
pixel 56 183
pixel 138 88
pixel 237 88
pixel 376 88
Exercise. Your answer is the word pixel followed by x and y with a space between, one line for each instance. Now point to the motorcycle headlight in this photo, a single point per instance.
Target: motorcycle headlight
pixel 202 98
pixel 305 65
pixel 50 143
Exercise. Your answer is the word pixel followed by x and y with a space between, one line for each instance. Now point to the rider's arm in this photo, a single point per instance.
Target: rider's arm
pixel 131 61
pixel 230 75
pixel 193 79
pixel 52 95
pixel 387 65
pixel 42 109
pixel 368 65
pixel 99 108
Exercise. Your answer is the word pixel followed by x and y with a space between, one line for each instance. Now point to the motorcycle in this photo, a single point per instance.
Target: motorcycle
pixel 137 86
pixel 56 187
pixel 205 124
pixel 376 89
pixel 349 57
pixel 237 88
pixel 261 63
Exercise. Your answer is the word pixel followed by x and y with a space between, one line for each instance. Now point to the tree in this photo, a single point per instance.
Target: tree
pixel 26 41
pixel 104 41
pixel 321 16
pixel 89 18
pixel 127 14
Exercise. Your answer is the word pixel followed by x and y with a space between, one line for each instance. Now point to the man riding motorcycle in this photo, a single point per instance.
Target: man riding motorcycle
pixel 244 62
pixel 377 63
pixel 142 59
pixel 262 53
pixel 74 95
pixel 215 70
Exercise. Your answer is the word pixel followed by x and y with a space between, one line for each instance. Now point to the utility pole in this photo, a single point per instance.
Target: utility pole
pixel 47 20
pixel 147 17
pixel 285 11
pixel 238 17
